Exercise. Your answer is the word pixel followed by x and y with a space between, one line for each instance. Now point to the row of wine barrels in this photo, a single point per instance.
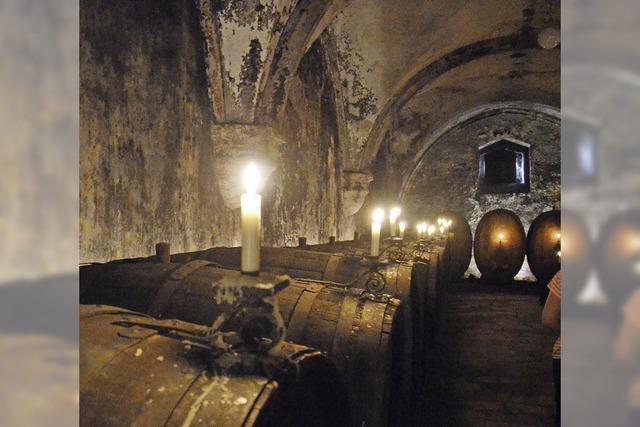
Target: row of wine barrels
pixel 436 256
pixel 433 261
pixel 499 246
pixel 406 281
pixel 543 245
pixel 133 374
pixel 369 340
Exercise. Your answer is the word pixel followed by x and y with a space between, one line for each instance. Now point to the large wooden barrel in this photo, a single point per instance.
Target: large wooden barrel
pixel 133 371
pixel 543 245
pixel 317 265
pixel 369 340
pixel 499 260
pixel 619 255
pixel 460 244
pixel 404 280
pixel 577 255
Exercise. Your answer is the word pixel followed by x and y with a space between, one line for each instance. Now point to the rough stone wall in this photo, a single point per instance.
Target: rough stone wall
pixel 447 178
pixel 310 171
pixel 149 141
pixel 145 152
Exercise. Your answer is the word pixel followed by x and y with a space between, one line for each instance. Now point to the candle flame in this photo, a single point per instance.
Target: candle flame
pixel 402 225
pixel 251 178
pixel 378 215
pixel 394 213
pixel 501 237
pixel 431 230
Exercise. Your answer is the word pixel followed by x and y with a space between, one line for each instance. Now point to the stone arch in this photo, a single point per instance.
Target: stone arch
pixel 521 107
pixel 427 71
pixel 306 23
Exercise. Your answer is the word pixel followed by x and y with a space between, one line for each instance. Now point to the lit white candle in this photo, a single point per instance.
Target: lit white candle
pixel 423 229
pixel 250 212
pixel 402 225
pixel 378 216
pixel 419 230
pixel 431 230
pixel 393 216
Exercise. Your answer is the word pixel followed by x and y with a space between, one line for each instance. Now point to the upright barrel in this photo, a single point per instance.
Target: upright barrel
pixel 543 245
pixel 619 255
pixel 370 340
pixel 499 246
pixel 461 244
pixel 134 371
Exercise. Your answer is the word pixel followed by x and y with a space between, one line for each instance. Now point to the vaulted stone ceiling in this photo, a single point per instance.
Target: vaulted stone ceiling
pixel 392 50
pixel 438 57
pixel 325 95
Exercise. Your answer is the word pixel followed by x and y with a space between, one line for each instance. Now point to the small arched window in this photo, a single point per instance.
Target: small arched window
pixel 504 167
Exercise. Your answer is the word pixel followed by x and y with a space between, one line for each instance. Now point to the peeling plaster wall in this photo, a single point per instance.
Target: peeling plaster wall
pixel 148 164
pixel 248 30
pixel 447 179
pixel 145 156
pixel 311 159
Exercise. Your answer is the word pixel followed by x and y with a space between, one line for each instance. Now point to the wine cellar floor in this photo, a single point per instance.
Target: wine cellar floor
pixel 493 365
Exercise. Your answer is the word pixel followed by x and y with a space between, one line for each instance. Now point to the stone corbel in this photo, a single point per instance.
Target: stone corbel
pixel 235 145
pixel 355 188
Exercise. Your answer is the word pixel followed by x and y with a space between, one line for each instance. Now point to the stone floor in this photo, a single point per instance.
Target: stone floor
pixel 493 362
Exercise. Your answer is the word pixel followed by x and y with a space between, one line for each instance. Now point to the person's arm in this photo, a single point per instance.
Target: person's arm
pixel 551 312
pixel 628 342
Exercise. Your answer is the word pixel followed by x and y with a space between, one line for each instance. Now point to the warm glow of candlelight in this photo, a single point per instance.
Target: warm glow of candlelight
pixel 393 216
pixel 251 178
pixel 378 216
pixel 431 230
pixel 500 237
pixel 402 225
pixel 394 213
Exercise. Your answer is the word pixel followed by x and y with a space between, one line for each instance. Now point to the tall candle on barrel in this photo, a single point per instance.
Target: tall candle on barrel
pixel 250 212
pixel 378 216
pixel 402 225
pixel 393 216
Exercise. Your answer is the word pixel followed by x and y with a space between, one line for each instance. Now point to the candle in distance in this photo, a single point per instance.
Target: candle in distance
pixel 378 217
pixel 402 225
pixel 393 216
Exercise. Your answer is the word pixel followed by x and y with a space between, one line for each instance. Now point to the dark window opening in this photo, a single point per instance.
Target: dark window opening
pixel 504 167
